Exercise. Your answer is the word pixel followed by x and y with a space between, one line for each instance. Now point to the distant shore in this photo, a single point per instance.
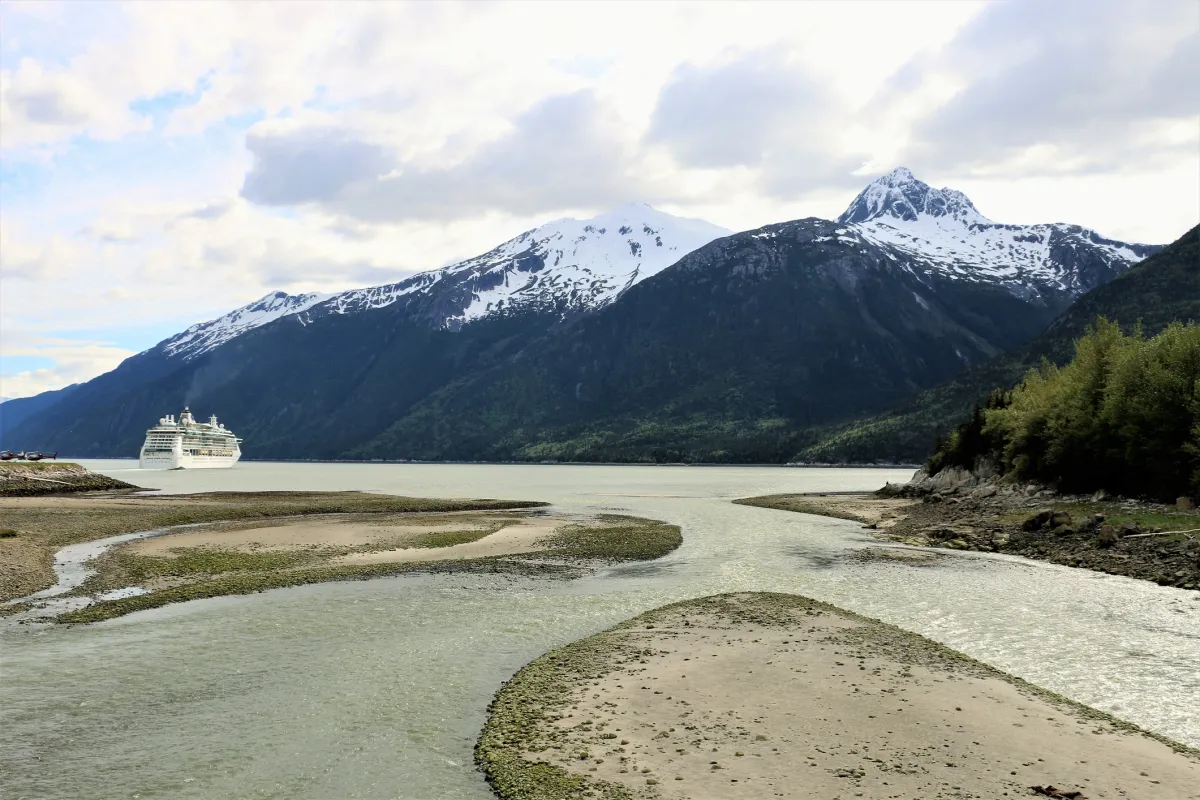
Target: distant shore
pixel 761 696
pixel 222 543
pixel 796 465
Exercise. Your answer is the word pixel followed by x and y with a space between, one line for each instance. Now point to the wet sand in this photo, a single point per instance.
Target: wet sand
pixel 766 696
pixel 882 512
pixel 332 531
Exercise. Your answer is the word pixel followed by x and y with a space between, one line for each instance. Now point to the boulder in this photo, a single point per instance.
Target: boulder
pixel 1038 521
pixel 1062 530
pixel 1185 504
pixel 1108 536
pixel 1059 518
pixel 1129 527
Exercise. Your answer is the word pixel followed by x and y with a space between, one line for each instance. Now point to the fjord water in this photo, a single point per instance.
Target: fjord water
pixel 377 689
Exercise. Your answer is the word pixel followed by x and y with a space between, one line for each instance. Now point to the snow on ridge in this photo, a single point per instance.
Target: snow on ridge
pixel 206 335
pixel 573 262
pixel 577 263
pixel 943 229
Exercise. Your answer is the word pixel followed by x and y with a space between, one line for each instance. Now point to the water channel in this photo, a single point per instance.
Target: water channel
pixel 377 689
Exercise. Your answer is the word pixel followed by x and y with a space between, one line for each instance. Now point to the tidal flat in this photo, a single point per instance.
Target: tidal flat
pixel 379 688
pixel 758 695
pixel 216 544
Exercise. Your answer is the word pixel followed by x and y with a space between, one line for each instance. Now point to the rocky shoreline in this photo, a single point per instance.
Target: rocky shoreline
pixel 34 479
pixel 1120 536
pixel 959 510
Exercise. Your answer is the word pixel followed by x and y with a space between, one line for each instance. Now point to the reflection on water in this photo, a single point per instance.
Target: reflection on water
pixel 377 689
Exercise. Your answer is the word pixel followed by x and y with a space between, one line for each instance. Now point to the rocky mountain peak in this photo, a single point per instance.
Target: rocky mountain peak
pixel 901 195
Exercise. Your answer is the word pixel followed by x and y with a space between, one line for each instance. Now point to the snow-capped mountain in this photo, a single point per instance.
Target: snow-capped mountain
pixel 572 264
pixel 567 264
pixel 942 229
pixel 207 335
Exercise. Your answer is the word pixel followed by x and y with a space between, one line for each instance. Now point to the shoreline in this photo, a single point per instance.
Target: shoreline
pixel 53 478
pixel 1152 542
pixel 761 695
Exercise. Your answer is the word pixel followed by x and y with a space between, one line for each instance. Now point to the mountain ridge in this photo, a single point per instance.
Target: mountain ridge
pixel 365 361
pixel 1160 290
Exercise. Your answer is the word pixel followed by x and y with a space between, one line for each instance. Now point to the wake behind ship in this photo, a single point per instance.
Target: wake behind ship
pixel 188 444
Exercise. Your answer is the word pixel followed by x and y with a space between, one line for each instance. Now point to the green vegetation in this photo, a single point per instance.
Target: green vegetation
pixel 38 466
pixel 1164 288
pixel 1123 415
pixel 447 538
pixel 234 583
pixel 621 539
pixel 190 561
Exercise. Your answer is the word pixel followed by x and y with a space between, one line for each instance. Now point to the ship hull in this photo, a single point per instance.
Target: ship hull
pixel 186 461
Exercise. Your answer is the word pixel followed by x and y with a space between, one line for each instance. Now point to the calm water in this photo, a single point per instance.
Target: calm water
pixel 377 689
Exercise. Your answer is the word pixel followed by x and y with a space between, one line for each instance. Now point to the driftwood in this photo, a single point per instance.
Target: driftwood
pixel 1051 791
pixel 1160 533
pixel 47 480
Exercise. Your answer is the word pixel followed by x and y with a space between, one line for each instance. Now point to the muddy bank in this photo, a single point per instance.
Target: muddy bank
pixel 767 695
pixel 1150 541
pixel 33 479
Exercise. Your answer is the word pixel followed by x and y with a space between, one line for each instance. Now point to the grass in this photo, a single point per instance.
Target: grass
pixel 189 562
pixel 448 538
pixel 235 583
pixel 1146 519
pixel 621 539
pixel 38 466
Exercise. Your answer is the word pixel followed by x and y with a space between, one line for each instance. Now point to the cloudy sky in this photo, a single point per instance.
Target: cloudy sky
pixel 162 163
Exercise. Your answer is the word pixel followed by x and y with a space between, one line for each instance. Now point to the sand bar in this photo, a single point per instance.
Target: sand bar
pixel 768 696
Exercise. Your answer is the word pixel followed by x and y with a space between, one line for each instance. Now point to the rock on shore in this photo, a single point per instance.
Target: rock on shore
pixel 27 479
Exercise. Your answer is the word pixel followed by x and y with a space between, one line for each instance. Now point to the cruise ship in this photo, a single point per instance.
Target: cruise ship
pixel 187 444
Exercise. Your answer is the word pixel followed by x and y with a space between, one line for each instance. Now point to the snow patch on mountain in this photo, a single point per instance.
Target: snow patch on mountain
pixel 205 336
pixel 942 229
pixel 568 263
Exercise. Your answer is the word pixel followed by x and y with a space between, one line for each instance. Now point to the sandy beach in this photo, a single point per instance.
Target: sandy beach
pixel 767 696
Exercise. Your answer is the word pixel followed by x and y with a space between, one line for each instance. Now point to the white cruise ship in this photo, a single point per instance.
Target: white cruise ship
pixel 187 444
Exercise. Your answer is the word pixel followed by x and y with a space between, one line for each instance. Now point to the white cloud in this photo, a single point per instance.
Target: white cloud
pixel 74 361
pixel 322 146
